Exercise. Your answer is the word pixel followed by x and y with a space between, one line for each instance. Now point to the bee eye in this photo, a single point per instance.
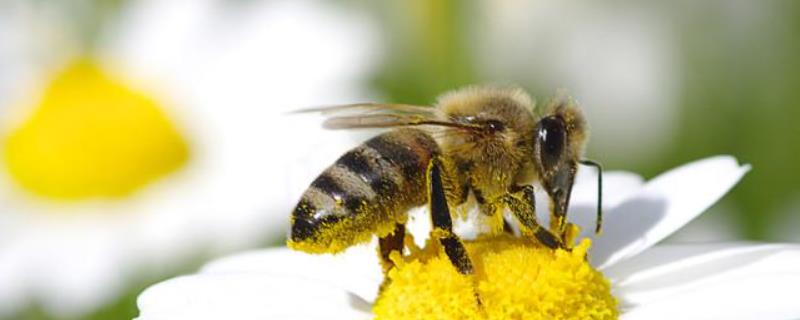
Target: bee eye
pixel 551 137
pixel 494 125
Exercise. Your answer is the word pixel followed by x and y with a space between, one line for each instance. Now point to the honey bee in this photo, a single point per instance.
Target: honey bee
pixel 477 146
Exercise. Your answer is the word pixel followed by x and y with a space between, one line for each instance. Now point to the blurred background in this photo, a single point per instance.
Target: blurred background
pixel 142 138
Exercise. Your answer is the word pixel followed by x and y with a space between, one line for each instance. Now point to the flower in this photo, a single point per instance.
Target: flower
pixel 160 146
pixel 515 278
pixel 684 281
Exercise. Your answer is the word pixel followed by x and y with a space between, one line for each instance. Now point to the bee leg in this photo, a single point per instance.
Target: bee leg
pixel 522 203
pixel 507 227
pixel 490 209
pixel 570 233
pixel 443 225
pixel 391 243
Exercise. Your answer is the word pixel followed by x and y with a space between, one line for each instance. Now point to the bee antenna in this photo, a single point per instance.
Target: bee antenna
pixel 599 167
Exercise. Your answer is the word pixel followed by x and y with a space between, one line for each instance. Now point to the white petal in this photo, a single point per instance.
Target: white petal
pixel 672 256
pixel 749 298
pixel 617 187
pixel 248 296
pixel 662 206
pixel 714 225
pixel 711 281
pixel 672 266
pixel 357 270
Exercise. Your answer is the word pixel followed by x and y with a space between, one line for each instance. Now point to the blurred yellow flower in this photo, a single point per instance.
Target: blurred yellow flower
pixel 92 136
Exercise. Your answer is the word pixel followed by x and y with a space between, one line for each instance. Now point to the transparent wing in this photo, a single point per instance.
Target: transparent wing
pixel 376 115
pixel 372 121
pixel 371 108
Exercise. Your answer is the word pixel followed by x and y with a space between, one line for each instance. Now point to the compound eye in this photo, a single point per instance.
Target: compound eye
pixel 494 126
pixel 551 137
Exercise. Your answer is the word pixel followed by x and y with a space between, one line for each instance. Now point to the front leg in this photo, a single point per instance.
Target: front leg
pixel 522 203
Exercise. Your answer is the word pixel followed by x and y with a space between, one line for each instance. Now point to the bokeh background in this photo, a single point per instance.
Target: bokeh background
pixel 142 138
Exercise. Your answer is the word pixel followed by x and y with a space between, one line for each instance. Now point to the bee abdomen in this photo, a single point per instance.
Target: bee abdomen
pixel 366 191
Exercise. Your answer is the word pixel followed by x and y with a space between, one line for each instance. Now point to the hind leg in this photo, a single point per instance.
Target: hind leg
pixel 392 242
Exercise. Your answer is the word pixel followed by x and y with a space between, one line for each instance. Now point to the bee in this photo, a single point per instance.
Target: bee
pixel 477 146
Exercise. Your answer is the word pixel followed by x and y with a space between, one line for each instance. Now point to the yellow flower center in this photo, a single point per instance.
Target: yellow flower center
pixel 514 277
pixel 92 136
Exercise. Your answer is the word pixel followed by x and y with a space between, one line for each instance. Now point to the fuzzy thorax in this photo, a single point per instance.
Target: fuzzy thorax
pixel 494 158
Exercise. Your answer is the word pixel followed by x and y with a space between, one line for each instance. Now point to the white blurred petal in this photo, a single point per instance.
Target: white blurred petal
pixel 34 268
pixel 711 281
pixel 357 270
pixel 248 296
pixel 662 206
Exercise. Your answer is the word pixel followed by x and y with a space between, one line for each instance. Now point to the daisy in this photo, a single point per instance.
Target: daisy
pixel 627 275
pixel 162 145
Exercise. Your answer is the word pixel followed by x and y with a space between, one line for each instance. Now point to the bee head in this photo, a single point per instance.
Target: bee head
pixel 559 138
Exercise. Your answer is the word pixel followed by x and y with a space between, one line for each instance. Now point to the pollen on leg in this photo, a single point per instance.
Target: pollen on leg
pixel 515 278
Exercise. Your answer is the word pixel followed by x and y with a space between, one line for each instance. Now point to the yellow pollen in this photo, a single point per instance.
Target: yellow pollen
pixel 92 136
pixel 514 277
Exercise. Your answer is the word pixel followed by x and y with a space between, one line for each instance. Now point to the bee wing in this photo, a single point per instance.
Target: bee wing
pixel 370 108
pixel 373 121
pixel 376 115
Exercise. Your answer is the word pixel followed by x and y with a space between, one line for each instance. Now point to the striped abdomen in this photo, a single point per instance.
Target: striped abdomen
pixel 367 191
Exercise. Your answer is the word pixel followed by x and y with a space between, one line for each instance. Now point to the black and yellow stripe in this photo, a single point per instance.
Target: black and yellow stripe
pixel 366 191
pixel 359 161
